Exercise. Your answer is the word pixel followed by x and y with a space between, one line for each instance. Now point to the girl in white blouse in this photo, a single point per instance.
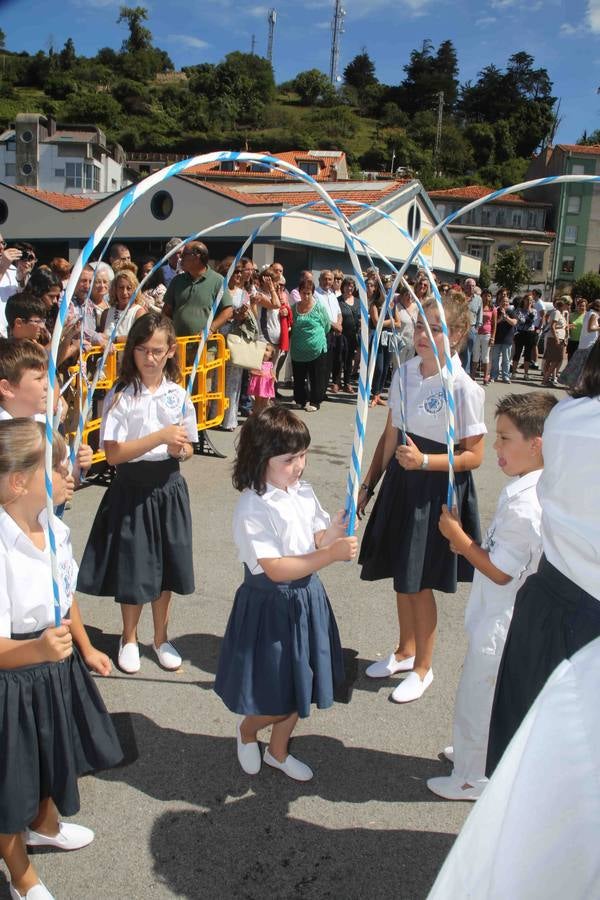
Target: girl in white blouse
pixel 281 650
pixel 55 726
pixel 140 546
pixel 402 540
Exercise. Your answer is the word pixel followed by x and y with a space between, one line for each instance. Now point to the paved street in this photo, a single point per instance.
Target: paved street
pixel 180 819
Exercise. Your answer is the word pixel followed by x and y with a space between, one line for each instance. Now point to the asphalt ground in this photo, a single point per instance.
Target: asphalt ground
pixel 180 819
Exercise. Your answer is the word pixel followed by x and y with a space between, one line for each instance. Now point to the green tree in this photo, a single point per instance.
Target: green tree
pixel 485 276
pixel 587 286
pixel 67 56
pixel 428 73
pixel 140 37
pixel 102 109
pixel 2 39
pixel 312 86
pixel 360 71
pixel 511 270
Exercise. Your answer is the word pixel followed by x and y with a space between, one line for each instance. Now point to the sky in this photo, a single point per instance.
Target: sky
pixel 563 37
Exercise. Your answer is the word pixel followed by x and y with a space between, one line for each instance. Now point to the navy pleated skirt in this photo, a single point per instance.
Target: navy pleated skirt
pixel 402 539
pixel 281 650
pixel 552 620
pixel 141 540
pixel 54 727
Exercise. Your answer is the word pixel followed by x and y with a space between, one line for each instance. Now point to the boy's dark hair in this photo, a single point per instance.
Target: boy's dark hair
pixel 273 432
pixel 527 412
pixel 41 280
pixel 24 306
pixel 141 331
pixel 589 380
pixel 17 355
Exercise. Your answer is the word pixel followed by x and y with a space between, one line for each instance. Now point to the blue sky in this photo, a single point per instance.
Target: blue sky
pixel 563 37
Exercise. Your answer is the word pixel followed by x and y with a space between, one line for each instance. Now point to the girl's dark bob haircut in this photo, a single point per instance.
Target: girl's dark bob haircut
pixel 140 332
pixel 273 432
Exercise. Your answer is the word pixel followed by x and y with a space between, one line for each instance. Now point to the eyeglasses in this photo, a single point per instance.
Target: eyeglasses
pixel 151 354
pixel 37 322
pixel 435 329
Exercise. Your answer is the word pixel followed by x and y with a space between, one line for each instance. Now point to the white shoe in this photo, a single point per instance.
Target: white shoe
pixel 291 766
pixel 448 752
pixel 37 892
pixel 310 408
pixel 383 668
pixel 129 657
pixel 452 788
pixel 248 754
pixel 168 656
pixel 69 837
pixel 412 687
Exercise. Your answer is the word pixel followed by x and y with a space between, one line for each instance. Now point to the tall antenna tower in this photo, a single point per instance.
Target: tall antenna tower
pixel 253 45
pixel 438 133
pixel 337 30
pixel 271 19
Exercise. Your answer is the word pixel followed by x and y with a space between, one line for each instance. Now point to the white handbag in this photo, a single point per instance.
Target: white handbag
pixel 245 354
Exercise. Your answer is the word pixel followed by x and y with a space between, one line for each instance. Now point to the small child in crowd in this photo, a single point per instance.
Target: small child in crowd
pixel 510 552
pixel 281 650
pixel 261 384
pixel 55 726
pixel 140 546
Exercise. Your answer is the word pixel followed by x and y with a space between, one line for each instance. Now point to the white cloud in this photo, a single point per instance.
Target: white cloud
pixel 322 25
pixel 486 20
pixel 503 4
pixel 188 40
pixel 257 11
pixel 568 30
pixel 593 15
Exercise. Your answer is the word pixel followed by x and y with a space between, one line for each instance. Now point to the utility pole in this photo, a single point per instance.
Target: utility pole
pixel 271 19
pixel 438 133
pixel 253 45
pixel 337 30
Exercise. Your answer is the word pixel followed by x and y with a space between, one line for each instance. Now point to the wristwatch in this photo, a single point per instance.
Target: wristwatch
pixel 425 463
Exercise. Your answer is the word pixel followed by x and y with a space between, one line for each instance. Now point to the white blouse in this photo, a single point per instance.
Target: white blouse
pixel 425 404
pixel 276 524
pixel 125 321
pixel 129 416
pixel 26 594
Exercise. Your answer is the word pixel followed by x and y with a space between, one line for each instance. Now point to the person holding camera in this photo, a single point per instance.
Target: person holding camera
pixel 525 335
pixel 16 264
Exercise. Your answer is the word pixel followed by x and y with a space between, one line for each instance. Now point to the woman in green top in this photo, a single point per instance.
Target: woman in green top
pixel 575 326
pixel 308 348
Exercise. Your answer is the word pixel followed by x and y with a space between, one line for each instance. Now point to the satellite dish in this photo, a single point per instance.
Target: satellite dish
pixel 338 78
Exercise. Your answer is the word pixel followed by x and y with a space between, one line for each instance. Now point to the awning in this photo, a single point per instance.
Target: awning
pixel 479 239
pixel 536 243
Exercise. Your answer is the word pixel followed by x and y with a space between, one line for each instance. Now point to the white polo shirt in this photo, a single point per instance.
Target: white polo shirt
pixel 569 491
pixel 26 594
pixel 5 415
pixel 330 301
pixel 514 541
pixel 129 416
pixel 425 403
pixel 276 524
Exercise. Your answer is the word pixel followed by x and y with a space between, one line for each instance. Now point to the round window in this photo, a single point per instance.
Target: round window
pixel 161 205
pixel 3 212
pixel 414 221
pixel 26 169
pixel 27 136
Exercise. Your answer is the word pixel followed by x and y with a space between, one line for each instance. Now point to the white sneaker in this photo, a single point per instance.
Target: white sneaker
pixel 412 687
pixel 310 408
pixel 168 656
pixel 448 752
pixel 452 788
pixel 70 837
pixel 129 657
pixel 248 755
pixel 37 892
pixel 383 668
pixel 291 766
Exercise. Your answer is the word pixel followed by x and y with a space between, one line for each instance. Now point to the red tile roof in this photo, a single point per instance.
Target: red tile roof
pixel 327 164
pixel 476 192
pixel 65 202
pixel 587 149
pixel 296 198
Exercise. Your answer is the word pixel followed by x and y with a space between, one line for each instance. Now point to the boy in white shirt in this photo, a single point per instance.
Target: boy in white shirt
pixel 510 552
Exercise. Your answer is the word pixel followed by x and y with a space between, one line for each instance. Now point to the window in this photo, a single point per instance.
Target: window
pixel 574 205
pixel 414 221
pixel 535 260
pixel 3 212
pixel 479 251
pixel 570 234
pixel 501 218
pixel 27 136
pixel 59 173
pixel 568 265
pixel 26 169
pixel 10 169
pixel 91 175
pixel 517 219
pixel 440 210
pixel 113 183
pixel 577 169
pixel 486 217
pixel 533 219
pixel 161 205
pixel 259 167
pixel 73 175
pixel 228 165
pixel 311 168
pixel 469 219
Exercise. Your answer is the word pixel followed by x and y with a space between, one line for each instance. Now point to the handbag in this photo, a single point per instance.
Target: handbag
pixel 243 353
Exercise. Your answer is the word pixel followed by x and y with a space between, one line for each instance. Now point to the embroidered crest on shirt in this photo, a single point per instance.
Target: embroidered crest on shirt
pixel 171 400
pixel 434 403
pixel 65 569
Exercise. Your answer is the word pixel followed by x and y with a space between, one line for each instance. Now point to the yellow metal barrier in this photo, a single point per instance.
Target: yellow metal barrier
pixel 208 390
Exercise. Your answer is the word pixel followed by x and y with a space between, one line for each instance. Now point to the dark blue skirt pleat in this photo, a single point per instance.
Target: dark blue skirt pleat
pixel 54 727
pixel 281 650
